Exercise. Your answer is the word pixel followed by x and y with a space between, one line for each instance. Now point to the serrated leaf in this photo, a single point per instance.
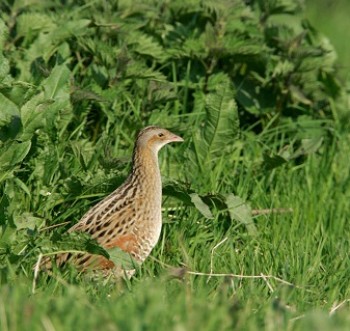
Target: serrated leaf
pixel 71 28
pixel 4 67
pixel 146 45
pixel 81 94
pixel 201 206
pixel 4 32
pixel 28 22
pixel 240 211
pixel 283 68
pixel 141 71
pixel 221 124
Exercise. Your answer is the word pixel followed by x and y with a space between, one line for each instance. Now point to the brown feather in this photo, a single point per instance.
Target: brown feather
pixel 130 217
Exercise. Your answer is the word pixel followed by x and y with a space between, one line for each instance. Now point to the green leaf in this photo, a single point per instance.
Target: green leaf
pixel 122 258
pixel 10 122
pixel 145 45
pixel 179 192
pixel 7 235
pixel 34 22
pixel 272 162
pixel 33 114
pixel 22 186
pixel 221 124
pixel 28 221
pixel 56 85
pixel 8 110
pixel 241 212
pixel 93 247
pixel 190 198
pixel 42 110
pixel 3 33
pixel 4 67
pixel 77 27
pixel 309 146
pixel 201 206
pixel 14 154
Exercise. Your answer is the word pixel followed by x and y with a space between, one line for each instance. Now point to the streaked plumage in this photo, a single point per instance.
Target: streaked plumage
pixel 130 217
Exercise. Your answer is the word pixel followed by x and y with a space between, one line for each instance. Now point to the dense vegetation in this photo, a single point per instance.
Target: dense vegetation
pixel 256 201
pixel 334 26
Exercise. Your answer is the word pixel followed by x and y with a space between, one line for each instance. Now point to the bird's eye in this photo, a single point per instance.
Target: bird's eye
pixel 160 134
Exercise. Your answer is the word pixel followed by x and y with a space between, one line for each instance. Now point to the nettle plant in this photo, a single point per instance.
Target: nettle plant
pixel 252 60
pixel 77 76
pixel 164 53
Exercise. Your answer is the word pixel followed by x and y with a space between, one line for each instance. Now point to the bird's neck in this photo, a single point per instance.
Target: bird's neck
pixel 145 170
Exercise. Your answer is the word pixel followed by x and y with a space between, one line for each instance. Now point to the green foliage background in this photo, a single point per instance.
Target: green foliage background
pixel 330 18
pixel 254 90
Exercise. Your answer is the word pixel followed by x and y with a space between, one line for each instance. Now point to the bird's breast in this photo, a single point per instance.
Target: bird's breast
pixel 148 226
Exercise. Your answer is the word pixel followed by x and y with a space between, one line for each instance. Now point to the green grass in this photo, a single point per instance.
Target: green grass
pixel 308 248
pixel 72 98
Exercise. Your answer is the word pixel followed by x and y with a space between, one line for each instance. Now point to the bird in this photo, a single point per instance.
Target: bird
pixel 130 217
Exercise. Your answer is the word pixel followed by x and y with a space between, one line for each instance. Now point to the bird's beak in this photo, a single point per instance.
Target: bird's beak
pixel 175 138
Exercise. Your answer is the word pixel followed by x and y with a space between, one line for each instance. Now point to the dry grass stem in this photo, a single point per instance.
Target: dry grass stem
pixel 36 272
pixel 212 255
pixel 267 283
pixel 257 212
pixel 336 306
pixel 261 276
pixel 54 226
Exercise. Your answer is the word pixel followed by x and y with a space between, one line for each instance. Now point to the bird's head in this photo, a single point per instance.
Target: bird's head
pixel 155 138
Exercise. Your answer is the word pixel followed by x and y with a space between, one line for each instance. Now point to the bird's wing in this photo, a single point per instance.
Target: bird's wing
pixel 110 212
pixel 109 222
